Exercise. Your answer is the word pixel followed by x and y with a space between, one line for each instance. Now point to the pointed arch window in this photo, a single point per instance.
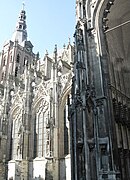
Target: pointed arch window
pixel 40 129
pixel 18 58
pixel 2 77
pixel 4 61
pixel 11 57
pixel 16 71
pixel 26 61
pixel 39 135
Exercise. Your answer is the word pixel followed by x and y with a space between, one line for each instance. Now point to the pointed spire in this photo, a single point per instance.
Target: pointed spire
pixel 20 33
pixel 55 53
pixel 46 53
pixel 64 46
pixel 55 49
pixel 23 5
pixel 69 41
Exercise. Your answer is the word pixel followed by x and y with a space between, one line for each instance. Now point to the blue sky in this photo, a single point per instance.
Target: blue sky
pixel 49 22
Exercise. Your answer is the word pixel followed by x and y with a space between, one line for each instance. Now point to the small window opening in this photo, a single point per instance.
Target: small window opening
pixel 4 61
pixel 24 27
pixel 16 71
pixel 18 58
pixel 20 26
pixel 2 76
pixel 11 58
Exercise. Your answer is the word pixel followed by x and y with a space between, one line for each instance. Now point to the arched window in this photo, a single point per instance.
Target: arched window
pixel 38 135
pixel 18 58
pixel 40 131
pixel 16 71
pixel 11 58
pixel 2 77
pixel 4 61
pixel 26 61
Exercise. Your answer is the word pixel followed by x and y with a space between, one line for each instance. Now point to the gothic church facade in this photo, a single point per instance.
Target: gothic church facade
pixel 34 126
pixel 75 103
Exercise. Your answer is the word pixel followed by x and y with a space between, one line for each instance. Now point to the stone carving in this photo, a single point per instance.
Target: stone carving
pixel 78 99
pixel 48 144
pixel 65 81
pixel 79 36
pixel 65 55
pixel 40 93
pixel 20 140
pixel 17 101
pixel 42 106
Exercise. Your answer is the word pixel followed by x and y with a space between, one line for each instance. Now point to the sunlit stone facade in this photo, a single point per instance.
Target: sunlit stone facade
pixel 34 126
pixel 67 115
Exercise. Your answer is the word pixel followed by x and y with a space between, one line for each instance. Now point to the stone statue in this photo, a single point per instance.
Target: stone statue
pixel 20 140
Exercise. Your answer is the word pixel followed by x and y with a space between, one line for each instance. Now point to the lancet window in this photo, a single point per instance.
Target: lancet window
pixel 18 58
pixel 40 131
pixel 4 61
pixel 16 71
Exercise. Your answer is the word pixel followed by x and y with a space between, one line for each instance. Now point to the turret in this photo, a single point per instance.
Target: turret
pixel 20 33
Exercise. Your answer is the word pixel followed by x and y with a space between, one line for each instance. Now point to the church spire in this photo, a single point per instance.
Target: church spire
pixel 20 33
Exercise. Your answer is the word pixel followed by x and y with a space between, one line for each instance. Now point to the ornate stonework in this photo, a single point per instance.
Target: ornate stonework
pixel 31 115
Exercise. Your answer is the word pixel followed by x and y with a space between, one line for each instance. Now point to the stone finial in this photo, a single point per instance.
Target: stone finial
pixel 46 53
pixel 23 5
pixel 69 41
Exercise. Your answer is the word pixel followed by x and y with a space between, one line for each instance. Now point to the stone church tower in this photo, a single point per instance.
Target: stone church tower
pixel 100 108
pixel 34 94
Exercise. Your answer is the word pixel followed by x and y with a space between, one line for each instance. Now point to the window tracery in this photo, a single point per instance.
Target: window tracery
pixel 40 128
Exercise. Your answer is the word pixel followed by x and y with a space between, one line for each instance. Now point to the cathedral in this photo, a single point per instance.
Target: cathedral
pixel 66 116
pixel 34 93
